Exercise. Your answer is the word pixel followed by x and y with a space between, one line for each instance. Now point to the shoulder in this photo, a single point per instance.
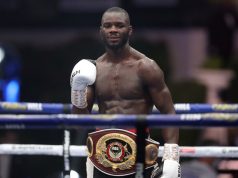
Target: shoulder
pixel 144 62
pixel 148 66
pixel 100 59
pixel 149 72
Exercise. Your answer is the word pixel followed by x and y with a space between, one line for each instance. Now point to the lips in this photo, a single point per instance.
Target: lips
pixel 113 38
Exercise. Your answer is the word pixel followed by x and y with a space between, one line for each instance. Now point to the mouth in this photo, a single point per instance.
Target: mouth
pixel 113 38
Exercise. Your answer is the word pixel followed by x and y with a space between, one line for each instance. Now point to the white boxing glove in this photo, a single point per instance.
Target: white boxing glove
pixel 83 74
pixel 74 174
pixel 170 167
pixel 170 161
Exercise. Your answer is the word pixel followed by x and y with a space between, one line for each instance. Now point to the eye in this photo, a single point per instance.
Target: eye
pixel 107 25
pixel 120 25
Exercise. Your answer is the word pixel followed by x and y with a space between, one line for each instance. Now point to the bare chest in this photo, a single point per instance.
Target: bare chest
pixel 116 81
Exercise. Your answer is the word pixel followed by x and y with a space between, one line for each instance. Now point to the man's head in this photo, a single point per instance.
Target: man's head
pixel 115 28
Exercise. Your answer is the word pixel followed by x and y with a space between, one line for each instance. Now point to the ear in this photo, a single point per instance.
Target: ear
pixel 100 30
pixel 130 30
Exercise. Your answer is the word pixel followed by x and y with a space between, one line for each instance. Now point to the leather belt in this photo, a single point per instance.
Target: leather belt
pixel 113 151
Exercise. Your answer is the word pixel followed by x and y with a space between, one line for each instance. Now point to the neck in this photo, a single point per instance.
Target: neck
pixel 118 54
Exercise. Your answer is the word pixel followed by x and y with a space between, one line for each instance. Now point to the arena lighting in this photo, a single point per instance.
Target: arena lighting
pixel 10 67
pixel 12 91
pixel 2 54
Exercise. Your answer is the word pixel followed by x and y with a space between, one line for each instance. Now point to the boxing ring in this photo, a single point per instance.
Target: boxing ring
pixel 57 116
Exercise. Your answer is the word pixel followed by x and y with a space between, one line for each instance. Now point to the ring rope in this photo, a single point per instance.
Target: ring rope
pixel 81 151
pixel 56 108
pixel 211 116
pixel 63 121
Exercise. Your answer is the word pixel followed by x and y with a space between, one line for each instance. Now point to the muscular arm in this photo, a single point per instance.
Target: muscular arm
pixel 163 101
pixel 153 78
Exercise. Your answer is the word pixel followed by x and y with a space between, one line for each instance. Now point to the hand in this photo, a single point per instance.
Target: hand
pixel 83 74
pixel 170 167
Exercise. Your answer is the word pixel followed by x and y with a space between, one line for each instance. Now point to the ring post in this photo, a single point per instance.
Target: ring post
pixel 140 146
pixel 66 154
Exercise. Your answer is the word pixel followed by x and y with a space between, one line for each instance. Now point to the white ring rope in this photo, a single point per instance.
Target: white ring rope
pixel 81 151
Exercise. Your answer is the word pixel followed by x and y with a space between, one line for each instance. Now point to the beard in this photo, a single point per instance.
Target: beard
pixel 117 45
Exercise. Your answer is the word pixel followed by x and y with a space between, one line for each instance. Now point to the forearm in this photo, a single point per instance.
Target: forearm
pixel 171 135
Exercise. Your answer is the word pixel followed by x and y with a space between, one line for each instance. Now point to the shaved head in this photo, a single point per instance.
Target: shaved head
pixel 118 10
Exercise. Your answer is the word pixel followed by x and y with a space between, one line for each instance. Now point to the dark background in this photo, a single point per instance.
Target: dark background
pixel 46 65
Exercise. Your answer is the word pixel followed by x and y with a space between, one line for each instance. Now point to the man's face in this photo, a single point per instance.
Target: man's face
pixel 115 29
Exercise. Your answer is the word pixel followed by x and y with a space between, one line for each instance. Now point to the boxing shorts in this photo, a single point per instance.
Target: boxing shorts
pixel 113 151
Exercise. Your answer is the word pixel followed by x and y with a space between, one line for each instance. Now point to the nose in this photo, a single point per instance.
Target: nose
pixel 113 28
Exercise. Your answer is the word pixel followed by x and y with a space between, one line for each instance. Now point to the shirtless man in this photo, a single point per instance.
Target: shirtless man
pixel 124 81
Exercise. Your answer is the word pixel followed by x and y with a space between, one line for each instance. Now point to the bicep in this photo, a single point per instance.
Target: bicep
pixel 162 99
pixel 158 90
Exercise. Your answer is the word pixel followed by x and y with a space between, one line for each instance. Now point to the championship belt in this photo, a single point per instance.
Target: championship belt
pixel 113 151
